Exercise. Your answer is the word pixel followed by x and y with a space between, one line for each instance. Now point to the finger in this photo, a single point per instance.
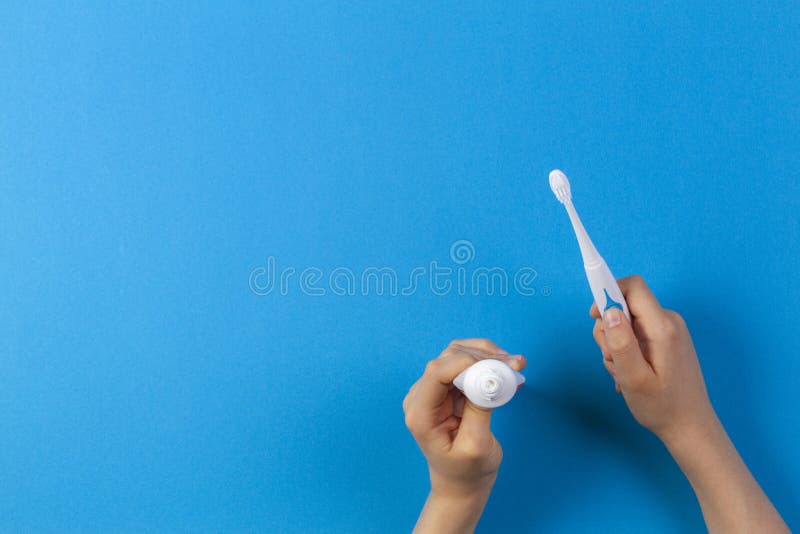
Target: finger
pixel 640 299
pixel 643 305
pixel 458 403
pixel 630 366
pixel 609 365
pixel 636 289
pixel 600 339
pixel 486 345
pixel 412 391
pixel 515 361
pixel 610 368
pixel 442 432
pixel 437 380
pixel 478 354
pixel 449 424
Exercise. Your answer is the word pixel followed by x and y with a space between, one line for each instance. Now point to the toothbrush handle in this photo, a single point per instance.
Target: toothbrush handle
pixel 605 290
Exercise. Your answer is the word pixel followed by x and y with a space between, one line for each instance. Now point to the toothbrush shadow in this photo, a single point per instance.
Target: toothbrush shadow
pixel 608 423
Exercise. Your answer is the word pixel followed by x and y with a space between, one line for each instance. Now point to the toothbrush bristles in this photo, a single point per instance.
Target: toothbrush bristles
pixel 560 186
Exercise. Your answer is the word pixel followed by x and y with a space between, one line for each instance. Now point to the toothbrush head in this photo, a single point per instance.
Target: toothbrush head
pixel 560 186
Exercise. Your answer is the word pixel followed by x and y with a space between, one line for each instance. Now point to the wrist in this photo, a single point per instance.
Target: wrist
pixel 446 512
pixel 700 427
pixel 462 489
pixel 685 441
pixel 462 496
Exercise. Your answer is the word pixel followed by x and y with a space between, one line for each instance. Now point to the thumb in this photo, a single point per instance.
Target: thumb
pixel 475 428
pixel 632 369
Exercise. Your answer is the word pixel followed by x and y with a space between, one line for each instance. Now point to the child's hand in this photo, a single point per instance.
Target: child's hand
pixel 654 364
pixel 454 435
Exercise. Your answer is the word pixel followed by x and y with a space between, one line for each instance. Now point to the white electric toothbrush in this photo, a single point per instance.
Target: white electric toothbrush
pixel 604 286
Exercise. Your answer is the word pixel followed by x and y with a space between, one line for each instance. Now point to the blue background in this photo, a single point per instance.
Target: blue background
pixel 153 156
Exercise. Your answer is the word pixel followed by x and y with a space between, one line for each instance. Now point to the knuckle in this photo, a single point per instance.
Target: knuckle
pixel 409 420
pixel 636 280
pixel 620 345
pixel 481 343
pixel 672 325
pixel 668 329
pixel 471 450
pixel 678 318
pixel 601 344
pixel 598 328
pixel 486 343
pixel 432 367
pixel 412 424
pixel 449 351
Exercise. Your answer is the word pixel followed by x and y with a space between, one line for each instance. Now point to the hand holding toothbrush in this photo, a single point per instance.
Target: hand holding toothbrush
pixel 654 364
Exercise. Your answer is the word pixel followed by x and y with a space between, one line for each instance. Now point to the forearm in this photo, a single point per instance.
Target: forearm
pixel 451 514
pixel 729 496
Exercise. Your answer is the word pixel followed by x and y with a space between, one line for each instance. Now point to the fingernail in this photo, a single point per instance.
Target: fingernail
pixel 611 318
pixel 516 361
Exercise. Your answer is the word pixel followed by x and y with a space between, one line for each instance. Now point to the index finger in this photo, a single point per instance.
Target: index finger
pixel 482 344
pixel 641 300
pixel 643 305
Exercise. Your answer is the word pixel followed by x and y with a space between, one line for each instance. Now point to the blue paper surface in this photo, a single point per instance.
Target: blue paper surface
pixel 159 162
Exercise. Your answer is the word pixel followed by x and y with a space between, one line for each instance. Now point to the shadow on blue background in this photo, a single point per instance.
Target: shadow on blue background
pixel 154 156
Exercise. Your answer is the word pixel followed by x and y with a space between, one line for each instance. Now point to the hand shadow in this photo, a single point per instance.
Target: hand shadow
pixel 566 423
pixel 572 396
